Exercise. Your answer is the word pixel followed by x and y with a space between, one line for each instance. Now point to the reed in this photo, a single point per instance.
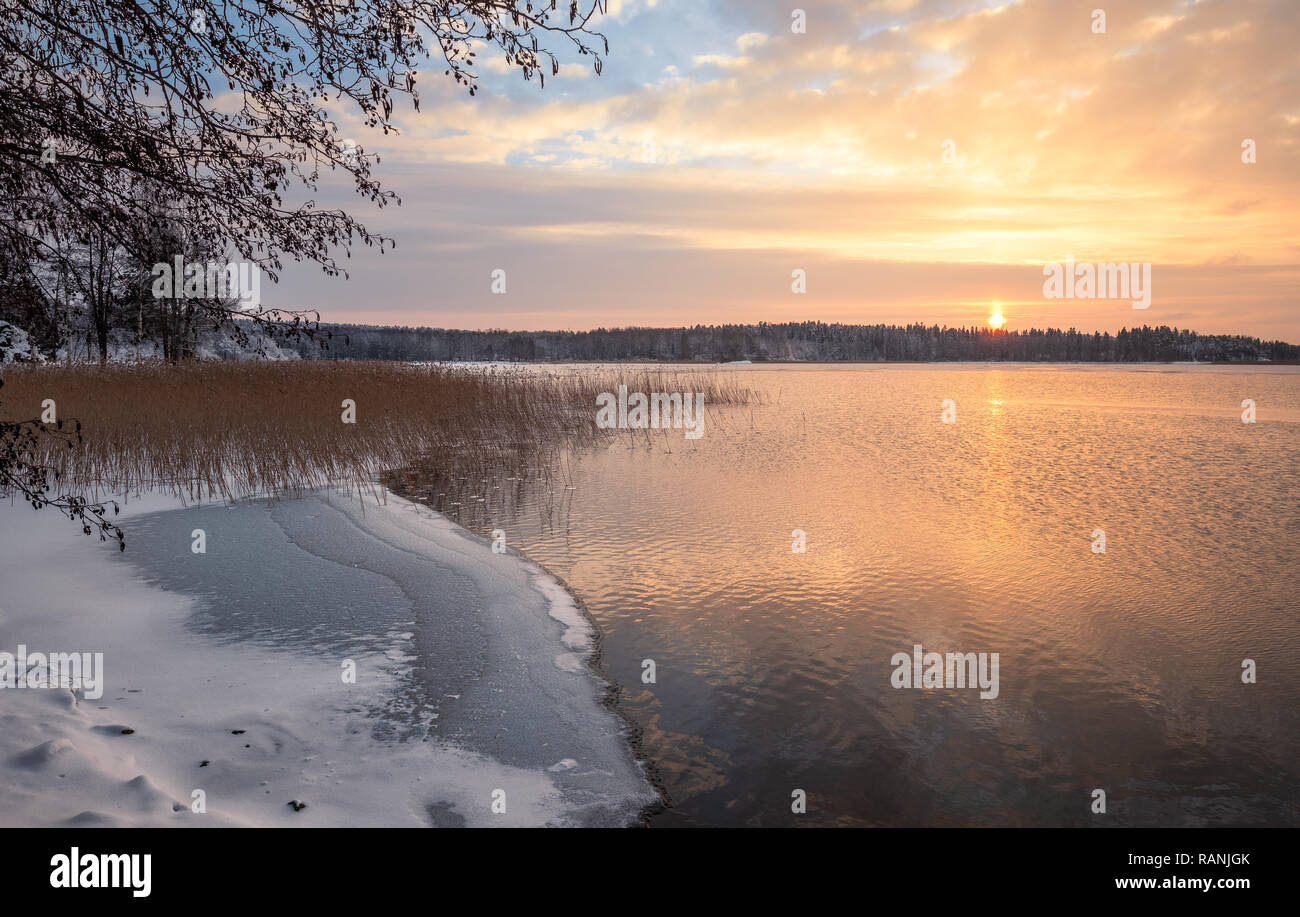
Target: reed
pixel 234 430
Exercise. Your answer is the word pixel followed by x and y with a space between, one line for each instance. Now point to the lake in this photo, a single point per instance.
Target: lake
pixel 774 670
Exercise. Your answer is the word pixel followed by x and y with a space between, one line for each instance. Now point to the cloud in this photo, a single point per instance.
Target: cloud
pixel 930 132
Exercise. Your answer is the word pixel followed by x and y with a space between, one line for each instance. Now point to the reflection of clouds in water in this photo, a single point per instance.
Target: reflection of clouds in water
pixel 973 537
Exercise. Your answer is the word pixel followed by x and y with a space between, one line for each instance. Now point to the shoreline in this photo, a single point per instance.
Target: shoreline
pixel 470 689
pixel 612 688
pixel 610 697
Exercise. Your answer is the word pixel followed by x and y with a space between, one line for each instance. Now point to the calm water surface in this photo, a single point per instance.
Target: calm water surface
pixel 1119 671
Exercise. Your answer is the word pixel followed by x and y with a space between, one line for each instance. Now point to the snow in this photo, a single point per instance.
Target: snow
pixel 16 345
pixel 209 345
pixel 227 667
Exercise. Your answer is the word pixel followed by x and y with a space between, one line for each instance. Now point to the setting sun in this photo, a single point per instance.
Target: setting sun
pixel 997 319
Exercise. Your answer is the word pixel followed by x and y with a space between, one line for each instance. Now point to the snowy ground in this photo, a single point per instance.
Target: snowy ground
pixel 224 673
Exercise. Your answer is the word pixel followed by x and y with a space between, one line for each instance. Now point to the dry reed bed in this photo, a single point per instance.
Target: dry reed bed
pixel 234 430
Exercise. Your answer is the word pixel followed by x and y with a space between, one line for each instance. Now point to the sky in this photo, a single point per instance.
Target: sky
pixel 917 160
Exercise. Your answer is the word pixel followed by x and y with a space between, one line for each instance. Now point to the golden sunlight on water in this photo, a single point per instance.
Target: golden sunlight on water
pixel 1119 669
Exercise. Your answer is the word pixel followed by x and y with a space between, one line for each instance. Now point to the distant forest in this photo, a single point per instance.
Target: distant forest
pixel 802 341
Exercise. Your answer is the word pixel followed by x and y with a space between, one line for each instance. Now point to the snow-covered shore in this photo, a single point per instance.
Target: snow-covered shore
pixel 225 674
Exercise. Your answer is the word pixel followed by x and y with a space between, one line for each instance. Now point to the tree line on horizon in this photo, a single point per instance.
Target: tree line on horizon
pixel 796 341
